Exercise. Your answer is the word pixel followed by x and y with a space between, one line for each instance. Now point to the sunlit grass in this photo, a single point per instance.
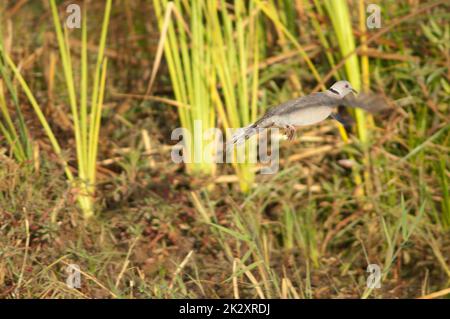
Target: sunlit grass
pixel 16 135
pixel 235 47
pixel 192 73
pixel 338 12
pixel 86 120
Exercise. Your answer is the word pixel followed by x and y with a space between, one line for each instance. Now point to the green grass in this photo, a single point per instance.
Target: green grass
pixel 189 59
pixel 86 121
pixel 86 130
pixel 236 48
pixel 16 135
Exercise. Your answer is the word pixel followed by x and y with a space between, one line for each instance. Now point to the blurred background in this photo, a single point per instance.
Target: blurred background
pixel 90 92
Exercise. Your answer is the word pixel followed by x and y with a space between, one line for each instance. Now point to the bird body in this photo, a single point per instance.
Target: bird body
pixel 302 117
pixel 309 109
pixel 302 111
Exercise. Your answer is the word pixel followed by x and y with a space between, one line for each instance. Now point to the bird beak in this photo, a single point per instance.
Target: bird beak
pixel 354 91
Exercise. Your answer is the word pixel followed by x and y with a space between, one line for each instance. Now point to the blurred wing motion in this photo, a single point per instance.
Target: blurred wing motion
pixel 369 102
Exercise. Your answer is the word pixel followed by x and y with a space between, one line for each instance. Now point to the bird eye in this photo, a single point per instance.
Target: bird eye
pixel 346 86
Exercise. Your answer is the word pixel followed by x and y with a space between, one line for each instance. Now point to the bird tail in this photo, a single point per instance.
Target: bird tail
pixel 243 134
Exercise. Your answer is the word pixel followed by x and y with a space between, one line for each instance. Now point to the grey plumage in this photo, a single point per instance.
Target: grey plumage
pixel 311 109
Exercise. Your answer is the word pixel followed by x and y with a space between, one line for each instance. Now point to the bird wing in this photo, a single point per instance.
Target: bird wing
pixel 311 100
pixel 367 101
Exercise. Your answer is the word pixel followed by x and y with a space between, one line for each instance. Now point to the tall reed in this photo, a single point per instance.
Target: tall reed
pixel 338 12
pixel 213 65
pixel 86 118
pixel 86 121
pixel 342 26
pixel 189 59
pixel 15 132
pixel 235 45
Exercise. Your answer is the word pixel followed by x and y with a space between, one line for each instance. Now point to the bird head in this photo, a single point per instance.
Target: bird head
pixel 342 88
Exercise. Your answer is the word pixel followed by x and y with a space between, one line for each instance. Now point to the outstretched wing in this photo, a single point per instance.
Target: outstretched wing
pixel 367 101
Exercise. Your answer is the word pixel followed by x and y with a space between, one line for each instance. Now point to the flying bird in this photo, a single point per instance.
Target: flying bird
pixel 311 109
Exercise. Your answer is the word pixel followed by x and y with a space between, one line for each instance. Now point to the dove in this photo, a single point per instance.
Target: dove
pixel 311 109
